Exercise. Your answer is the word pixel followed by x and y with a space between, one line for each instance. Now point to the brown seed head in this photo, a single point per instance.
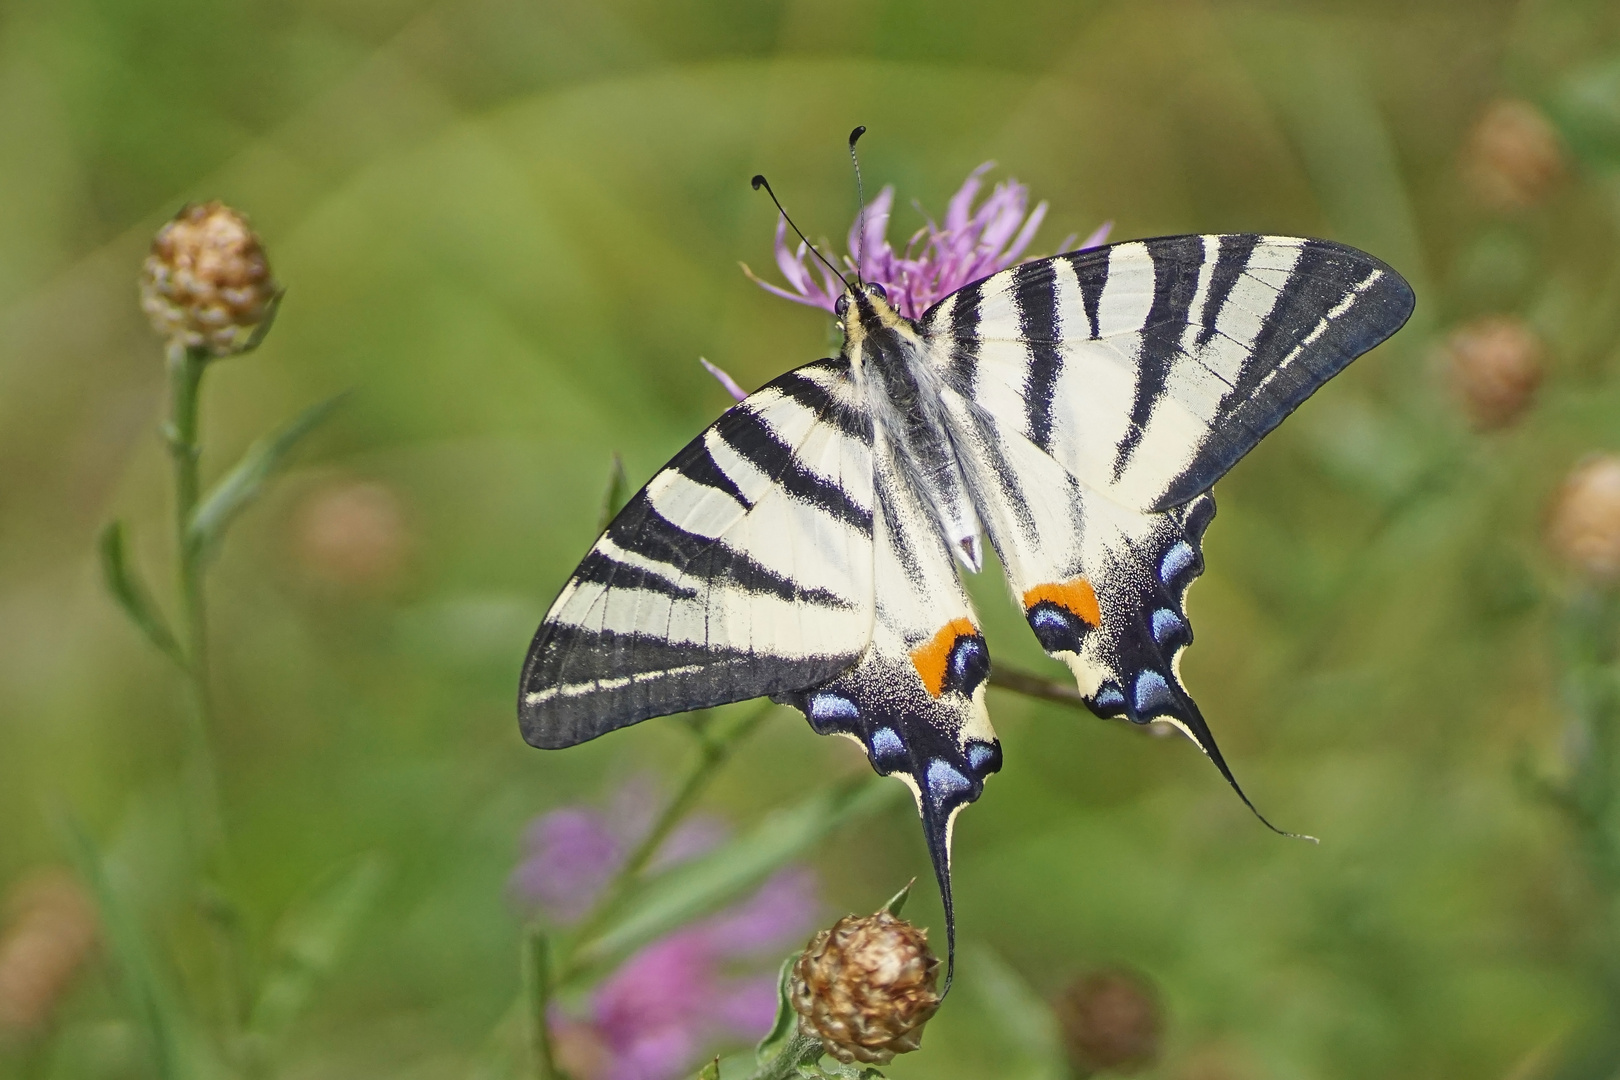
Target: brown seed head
pixel 353 535
pixel 49 933
pixel 1583 528
pixel 1112 1022
pixel 207 282
pixel 1513 158
pixel 1494 366
pixel 866 987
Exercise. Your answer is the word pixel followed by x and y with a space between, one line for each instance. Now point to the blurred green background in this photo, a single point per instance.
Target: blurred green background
pixel 512 226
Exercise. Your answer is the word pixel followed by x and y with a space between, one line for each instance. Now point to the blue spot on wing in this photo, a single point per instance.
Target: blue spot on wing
pixel 1152 693
pixel 825 706
pixel 1176 561
pixel 886 742
pixel 1166 623
pixel 944 781
pixel 1109 699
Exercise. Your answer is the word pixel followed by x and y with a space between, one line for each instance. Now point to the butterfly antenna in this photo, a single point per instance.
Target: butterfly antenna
pixel 758 182
pixel 860 195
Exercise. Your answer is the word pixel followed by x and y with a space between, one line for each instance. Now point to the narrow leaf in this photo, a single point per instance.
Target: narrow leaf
pixel 711 1071
pixel 236 491
pixel 618 492
pixel 787 1021
pixel 898 901
pixel 310 941
pixel 1019 1013
pixel 698 887
pixel 132 595
pixel 150 999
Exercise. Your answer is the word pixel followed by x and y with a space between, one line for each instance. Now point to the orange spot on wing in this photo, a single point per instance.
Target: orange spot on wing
pixel 931 657
pixel 1075 595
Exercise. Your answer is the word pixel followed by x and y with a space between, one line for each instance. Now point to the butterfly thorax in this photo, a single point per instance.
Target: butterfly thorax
pixel 904 391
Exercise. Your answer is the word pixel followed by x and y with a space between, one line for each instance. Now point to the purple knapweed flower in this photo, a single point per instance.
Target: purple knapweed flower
pixel 571 853
pixel 974 242
pixel 653 1017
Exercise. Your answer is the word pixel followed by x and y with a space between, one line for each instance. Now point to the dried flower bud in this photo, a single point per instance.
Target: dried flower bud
pixel 207 282
pixel 866 987
pixel 1111 1021
pixel 49 934
pixel 353 535
pixel 1494 365
pixel 1514 157
pixel 1583 528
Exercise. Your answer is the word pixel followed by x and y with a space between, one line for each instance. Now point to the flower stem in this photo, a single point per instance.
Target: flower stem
pixel 801 1049
pixel 205 818
pixel 537 988
pixel 186 367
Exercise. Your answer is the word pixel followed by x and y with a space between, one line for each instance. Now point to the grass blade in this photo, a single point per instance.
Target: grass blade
pixel 236 491
pixel 132 595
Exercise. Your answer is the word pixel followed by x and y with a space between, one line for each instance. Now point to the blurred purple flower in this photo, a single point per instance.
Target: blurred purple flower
pixel 973 243
pixel 571 853
pixel 653 1017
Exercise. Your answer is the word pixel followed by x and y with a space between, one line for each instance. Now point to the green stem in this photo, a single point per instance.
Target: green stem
pixel 801 1049
pixel 186 369
pixel 712 754
pixel 537 989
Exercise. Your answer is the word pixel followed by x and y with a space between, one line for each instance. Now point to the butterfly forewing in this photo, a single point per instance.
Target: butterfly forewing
pixel 1148 369
pixel 743 568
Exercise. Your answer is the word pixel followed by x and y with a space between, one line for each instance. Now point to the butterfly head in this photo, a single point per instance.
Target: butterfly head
pixel 864 309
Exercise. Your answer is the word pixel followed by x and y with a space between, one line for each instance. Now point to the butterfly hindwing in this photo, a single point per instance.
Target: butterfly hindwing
pixel 915 701
pixel 743 568
pixel 1095 397
pixel 1147 369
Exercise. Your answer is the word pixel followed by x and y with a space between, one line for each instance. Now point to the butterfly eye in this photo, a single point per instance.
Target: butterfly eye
pixel 874 289
pixel 841 305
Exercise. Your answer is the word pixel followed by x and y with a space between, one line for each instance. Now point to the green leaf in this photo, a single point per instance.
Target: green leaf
pixel 1018 1012
pixel 132 595
pixel 787 1020
pixel 175 1052
pixel 311 939
pixel 898 901
pixel 617 494
pixel 236 491
pixel 698 887
pixel 837 1070
pixel 711 1071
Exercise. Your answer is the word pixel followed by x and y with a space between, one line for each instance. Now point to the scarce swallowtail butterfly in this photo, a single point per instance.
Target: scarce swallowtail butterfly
pixel 1073 411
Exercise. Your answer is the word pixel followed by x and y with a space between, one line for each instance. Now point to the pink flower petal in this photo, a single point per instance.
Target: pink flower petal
pixel 739 393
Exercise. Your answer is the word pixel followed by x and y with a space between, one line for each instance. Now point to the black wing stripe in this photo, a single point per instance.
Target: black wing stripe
pixel 1176 264
pixel 700 467
pixel 963 362
pixel 1091 271
pixel 1231 260
pixel 817 397
pixel 641 530
pixel 601 569
pixel 754 439
pixel 1034 293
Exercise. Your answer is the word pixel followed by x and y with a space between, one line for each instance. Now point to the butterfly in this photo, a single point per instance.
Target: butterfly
pixel 1074 411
